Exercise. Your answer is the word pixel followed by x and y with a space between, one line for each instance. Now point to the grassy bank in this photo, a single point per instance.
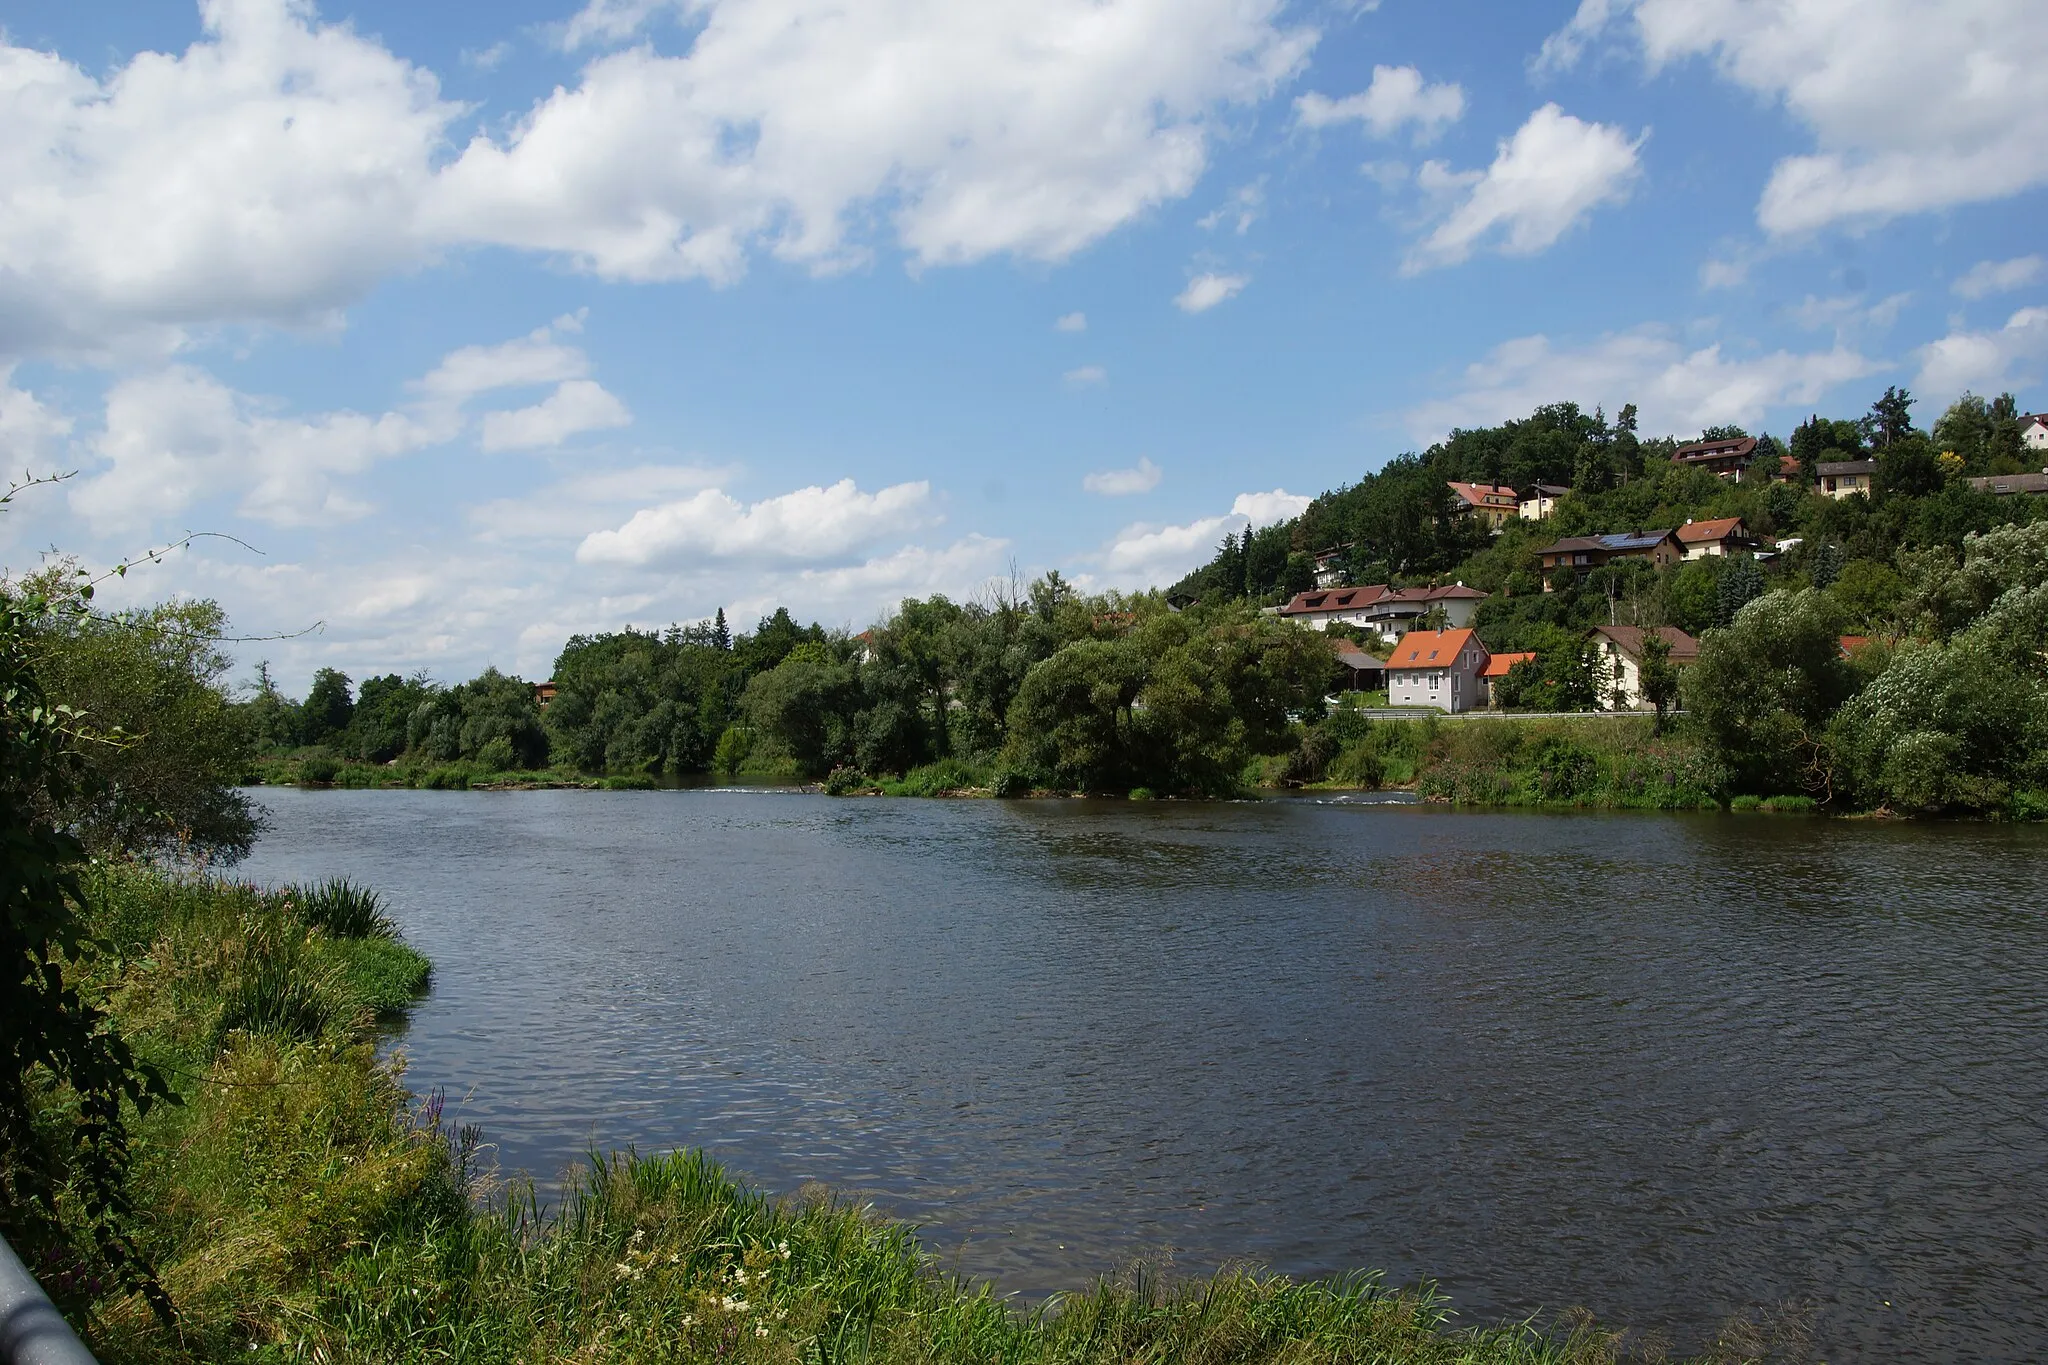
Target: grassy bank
pixel 324 770
pixel 302 1206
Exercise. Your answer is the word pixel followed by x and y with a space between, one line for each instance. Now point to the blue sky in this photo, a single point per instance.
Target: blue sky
pixel 487 324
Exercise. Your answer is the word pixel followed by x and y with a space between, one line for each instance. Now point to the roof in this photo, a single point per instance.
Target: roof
pixel 1431 648
pixel 1702 451
pixel 2012 483
pixel 1497 665
pixel 1357 599
pixel 1546 490
pixel 1617 542
pixel 1827 467
pixel 1720 528
pixel 1351 656
pixel 1481 494
pixel 1629 640
pixel 1852 644
pixel 1333 599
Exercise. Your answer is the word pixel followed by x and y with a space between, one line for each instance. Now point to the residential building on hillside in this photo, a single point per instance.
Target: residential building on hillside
pixel 2006 484
pixel 1390 611
pixel 1722 459
pixel 1583 553
pixel 1618 650
pixel 2034 431
pixel 1721 536
pixel 1497 666
pixel 1540 502
pixel 1437 668
pixel 1330 566
pixel 1845 478
pixel 1493 503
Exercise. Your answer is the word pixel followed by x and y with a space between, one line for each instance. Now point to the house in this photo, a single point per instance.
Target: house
pixel 1330 565
pixel 1495 504
pixel 1390 611
pixel 2034 431
pixel 1721 536
pixel 1437 668
pixel 1363 673
pixel 543 693
pixel 1582 553
pixel 1788 470
pixel 2003 485
pixel 1619 651
pixel 1845 478
pixel 1497 666
pixel 1722 459
pixel 1541 502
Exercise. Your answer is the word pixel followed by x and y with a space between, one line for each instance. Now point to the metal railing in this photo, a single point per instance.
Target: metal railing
pixel 32 1331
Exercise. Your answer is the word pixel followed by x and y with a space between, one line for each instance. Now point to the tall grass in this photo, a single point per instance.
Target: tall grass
pixel 302 1207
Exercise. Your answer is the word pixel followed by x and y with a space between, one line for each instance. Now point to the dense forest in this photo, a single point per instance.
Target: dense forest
pixel 1197 690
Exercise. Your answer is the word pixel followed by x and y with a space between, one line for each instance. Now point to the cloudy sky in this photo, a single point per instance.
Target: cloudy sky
pixel 488 323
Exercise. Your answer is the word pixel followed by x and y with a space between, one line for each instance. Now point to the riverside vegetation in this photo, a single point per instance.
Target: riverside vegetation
pixel 206 1159
pixel 1195 691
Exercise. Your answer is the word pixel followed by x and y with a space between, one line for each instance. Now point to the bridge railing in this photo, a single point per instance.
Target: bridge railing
pixel 32 1331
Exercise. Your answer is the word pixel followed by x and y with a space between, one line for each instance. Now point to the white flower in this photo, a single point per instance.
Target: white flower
pixel 758 1331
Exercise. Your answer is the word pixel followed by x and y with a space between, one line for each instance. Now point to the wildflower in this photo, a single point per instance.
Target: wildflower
pixel 623 1269
pixel 782 1249
pixel 758 1331
pixel 733 1305
pixel 689 1319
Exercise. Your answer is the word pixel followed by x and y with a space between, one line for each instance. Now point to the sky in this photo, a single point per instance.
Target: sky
pixel 468 327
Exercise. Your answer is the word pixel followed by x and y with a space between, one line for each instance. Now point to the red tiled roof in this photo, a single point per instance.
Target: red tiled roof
pixel 1720 528
pixel 1430 648
pixel 1497 665
pixel 1354 599
pixel 1487 494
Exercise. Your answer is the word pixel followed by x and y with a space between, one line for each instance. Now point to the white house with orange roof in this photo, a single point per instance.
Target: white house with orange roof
pixel 1439 668
pixel 1720 536
pixel 1495 504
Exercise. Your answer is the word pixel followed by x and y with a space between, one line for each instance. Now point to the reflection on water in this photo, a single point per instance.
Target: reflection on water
pixel 1671 1068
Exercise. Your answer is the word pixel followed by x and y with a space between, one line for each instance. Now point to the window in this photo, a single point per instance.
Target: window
pixel 1436 681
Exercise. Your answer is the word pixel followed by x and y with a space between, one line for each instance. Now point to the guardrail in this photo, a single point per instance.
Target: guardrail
pixel 32 1331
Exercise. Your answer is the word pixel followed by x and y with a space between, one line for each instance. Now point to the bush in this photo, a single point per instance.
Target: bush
pixel 319 769
pixel 631 782
pixel 497 756
pixel 1008 784
pixel 845 781
pixel 341 908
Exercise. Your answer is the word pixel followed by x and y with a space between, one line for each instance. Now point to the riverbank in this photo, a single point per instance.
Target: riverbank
pixel 302 1206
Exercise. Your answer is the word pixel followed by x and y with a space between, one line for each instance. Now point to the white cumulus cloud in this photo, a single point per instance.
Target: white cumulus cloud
pixel 1086 376
pixel 1544 180
pixel 1998 277
pixel 576 406
pixel 1263 509
pixel 1986 361
pixel 1027 128
pixel 1205 291
pixel 812 525
pixel 1397 98
pixel 1676 389
pixel 1913 104
pixel 178 435
pixel 1118 483
pixel 1071 322
pixel 280 167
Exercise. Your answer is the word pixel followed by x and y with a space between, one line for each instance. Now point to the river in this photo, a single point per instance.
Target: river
pixel 1669 1068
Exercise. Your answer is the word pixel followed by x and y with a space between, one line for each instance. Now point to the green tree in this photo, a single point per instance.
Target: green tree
pixel 1741 583
pixel 158 675
pixel 1659 677
pixel 53 761
pixel 806 707
pixel 1765 687
pixel 328 707
pixel 1891 417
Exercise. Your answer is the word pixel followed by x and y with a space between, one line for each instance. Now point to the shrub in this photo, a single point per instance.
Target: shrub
pixel 631 782
pixel 497 756
pixel 845 781
pixel 318 769
pixel 341 908
pixel 1008 784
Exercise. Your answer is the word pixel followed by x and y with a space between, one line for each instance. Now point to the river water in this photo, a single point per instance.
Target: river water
pixel 1669 1068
